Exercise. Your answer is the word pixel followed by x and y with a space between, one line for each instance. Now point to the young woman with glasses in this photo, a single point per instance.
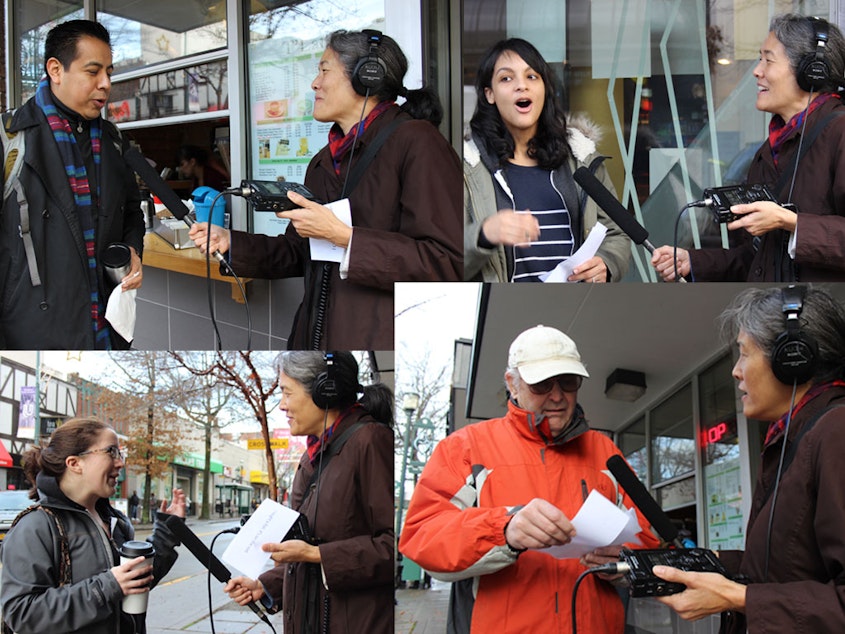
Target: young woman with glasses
pixel 73 477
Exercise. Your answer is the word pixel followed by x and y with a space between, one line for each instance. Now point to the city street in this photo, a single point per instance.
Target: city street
pixel 180 602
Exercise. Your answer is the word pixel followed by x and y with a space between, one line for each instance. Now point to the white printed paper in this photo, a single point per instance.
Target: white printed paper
pixel 598 523
pixel 587 250
pixel 323 250
pixel 269 523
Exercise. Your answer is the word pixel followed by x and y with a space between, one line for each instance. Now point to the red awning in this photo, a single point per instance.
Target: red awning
pixel 5 458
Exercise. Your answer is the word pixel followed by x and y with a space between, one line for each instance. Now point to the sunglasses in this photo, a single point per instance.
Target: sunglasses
pixel 114 451
pixel 566 382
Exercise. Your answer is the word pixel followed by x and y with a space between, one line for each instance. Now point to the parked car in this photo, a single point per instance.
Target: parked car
pixel 11 503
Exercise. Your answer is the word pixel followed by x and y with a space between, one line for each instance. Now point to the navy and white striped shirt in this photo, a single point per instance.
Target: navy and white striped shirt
pixel 532 190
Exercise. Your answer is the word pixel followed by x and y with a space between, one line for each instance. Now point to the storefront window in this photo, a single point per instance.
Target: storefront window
pixel 721 457
pixel 202 88
pixel 155 31
pixel 669 84
pixel 32 22
pixel 633 446
pixel 284 50
pixel 672 442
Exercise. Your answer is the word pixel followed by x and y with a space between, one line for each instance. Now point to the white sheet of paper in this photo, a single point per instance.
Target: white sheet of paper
pixel 269 523
pixel 323 250
pixel 598 523
pixel 120 312
pixel 587 250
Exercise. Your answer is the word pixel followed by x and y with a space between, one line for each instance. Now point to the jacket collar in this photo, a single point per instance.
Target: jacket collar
pixel 527 424
pixel 51 494
pixel 582 134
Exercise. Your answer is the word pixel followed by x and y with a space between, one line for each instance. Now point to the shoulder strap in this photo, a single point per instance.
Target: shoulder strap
pixel 369 154
pixel 65 573
pixel 792 449
pixel 333 449
pixel 14 147
pixel 812 135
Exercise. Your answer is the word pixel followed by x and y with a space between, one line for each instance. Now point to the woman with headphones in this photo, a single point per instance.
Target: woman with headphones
pixel 799 78
pixel 791 372
pixel 337 574
pixel 405 201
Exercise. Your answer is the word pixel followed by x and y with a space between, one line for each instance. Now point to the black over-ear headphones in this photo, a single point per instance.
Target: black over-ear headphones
pixel 795 353
pixel 332 387
pixel 813 71
pixel 370 71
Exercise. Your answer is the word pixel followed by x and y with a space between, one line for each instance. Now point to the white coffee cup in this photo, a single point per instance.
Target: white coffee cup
pixel 136 603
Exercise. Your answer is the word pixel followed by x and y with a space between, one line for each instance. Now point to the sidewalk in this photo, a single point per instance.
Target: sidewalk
pixel 422 611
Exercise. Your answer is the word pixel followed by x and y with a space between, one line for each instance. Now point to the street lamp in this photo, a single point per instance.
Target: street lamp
pixel 410 403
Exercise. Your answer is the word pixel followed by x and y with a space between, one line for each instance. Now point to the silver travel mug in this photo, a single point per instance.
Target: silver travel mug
pixel 136 603
pixel 117 261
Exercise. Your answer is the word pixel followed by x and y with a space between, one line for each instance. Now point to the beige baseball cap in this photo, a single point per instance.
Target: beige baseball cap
pixel 542 352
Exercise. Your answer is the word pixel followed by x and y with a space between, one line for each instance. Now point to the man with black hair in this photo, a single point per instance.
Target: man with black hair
pixel 66 198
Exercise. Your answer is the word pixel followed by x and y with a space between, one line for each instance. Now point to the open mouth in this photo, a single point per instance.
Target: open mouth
pixel 523 104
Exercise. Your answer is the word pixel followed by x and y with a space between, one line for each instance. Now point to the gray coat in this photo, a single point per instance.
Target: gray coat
pixel 486 191
pixel 31 600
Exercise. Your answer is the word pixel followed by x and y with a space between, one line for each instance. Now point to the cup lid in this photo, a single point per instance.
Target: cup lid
pixel 136 549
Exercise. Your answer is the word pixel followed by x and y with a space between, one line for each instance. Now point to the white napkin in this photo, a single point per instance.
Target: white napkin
pixel 120 312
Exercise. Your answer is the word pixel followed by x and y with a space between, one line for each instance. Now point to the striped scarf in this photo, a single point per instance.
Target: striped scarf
pixel 77 177
pixel 340 144
pixel 779 130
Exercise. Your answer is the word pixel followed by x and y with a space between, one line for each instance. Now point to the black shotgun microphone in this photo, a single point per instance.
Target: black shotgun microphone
pixel 643 500
pixel 612 207
pixel 161 189
pixel 199 550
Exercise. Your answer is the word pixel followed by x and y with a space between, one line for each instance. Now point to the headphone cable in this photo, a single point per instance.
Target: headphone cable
pixel 777 480
pixel 800 144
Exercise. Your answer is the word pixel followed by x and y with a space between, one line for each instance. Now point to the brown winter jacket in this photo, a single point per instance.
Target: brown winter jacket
pixel 354 529
pixel 820 196
pixel 806 587
pixel 406 218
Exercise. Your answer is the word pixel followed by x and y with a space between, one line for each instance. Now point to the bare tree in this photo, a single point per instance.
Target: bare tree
pixel 155 437
pixel 239 371
pixel 202 399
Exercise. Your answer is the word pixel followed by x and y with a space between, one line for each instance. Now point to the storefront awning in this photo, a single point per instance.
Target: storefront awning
pixel 5 458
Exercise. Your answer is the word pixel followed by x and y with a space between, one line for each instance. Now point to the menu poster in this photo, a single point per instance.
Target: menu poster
pixel 285 136
pixel 725 521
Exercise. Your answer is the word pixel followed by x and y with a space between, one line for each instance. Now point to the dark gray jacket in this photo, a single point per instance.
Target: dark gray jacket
pixel 31 601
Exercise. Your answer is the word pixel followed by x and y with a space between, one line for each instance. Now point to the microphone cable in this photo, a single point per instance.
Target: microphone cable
pixel 777 481
pixel 263 617
pixel 675 239
pixel 225 263
pixel 610 569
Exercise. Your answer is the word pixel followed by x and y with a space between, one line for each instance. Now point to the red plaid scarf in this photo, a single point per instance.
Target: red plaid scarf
pixel 779 131
pixel 340 144
pixel 315 443
pixel 777 427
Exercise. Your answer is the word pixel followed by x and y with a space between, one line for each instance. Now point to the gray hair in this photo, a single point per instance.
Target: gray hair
pixel 759 313
pixel 351 46
pixel 798 36
pixel 301 365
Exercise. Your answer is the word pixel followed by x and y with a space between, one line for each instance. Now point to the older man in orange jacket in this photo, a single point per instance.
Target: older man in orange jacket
pixel 495 491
